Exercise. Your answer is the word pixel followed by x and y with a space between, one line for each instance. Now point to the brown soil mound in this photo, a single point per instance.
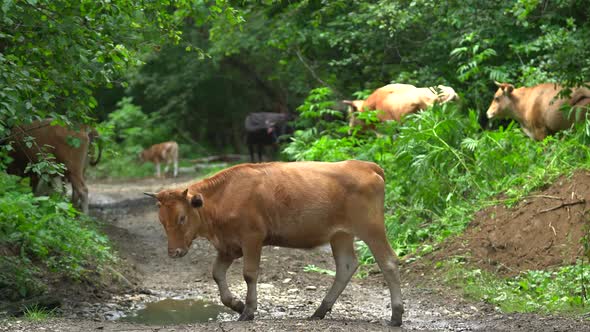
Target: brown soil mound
pixel 544 230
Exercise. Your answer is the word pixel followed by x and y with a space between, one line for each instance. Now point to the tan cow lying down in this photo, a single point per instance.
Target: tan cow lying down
pixel 55 140
pixel 394 101
pixel 536 108
pixel 297 205
pixel 164 152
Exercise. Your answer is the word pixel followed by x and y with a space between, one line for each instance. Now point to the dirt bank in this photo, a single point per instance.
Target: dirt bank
pixel 542 231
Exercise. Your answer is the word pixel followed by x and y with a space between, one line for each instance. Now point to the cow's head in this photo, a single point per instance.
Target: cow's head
pixel 179 217
pixel 354 105
pixel 502 101
pixel 446 94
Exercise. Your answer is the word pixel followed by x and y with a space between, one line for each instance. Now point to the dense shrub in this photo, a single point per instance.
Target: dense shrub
pixel 43 234
pixel 440 166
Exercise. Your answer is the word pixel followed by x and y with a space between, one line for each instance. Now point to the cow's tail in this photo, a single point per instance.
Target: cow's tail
pixel 93 135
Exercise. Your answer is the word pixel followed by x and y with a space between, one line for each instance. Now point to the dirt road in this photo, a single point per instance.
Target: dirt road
pixel 287 295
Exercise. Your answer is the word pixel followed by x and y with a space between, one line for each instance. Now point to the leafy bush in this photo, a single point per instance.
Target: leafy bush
pixel 43 233
pixel 440 166
pixel 127 131
pixel 558 290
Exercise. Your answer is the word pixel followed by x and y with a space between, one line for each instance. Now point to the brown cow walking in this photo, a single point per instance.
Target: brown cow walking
pixel 297 205
pixel 536 108
pixel 166 152
pixel 56 140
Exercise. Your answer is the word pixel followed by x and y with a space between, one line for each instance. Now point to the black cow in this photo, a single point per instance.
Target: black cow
pixel 264 128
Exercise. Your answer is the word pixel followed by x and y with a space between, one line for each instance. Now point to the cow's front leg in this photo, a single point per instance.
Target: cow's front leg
pixel 251 251
pixel 220 266
pixel 158 170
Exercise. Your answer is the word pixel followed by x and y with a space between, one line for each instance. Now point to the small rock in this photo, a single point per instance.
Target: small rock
pixel 293 290
pixel 286 281
pixel 311 288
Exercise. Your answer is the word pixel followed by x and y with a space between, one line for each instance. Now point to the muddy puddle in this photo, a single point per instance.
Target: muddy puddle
pixel 175 311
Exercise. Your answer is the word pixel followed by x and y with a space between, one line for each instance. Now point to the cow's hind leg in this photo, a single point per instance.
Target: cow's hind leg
pixel 79 192
pixel 374 237
pixel 166 168
pixel 260 148
pixel 251 150
pixel 220 266
pixel 176 166
pixel 251 251
pixel 346 264
pixel 158 169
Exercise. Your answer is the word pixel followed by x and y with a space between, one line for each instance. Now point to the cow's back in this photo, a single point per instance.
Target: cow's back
pixel 302 204
pixel 541 106
pixel 161 152
pixel 69 147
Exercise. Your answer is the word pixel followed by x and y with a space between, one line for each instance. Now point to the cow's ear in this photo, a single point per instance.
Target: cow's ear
pixel 509 88
pixel 197 201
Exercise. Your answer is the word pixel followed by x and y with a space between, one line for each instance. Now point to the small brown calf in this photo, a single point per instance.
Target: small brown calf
pixel 164 152
pixel 297 205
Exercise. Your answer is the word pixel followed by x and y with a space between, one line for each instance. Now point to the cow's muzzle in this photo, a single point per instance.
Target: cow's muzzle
pixel 177 252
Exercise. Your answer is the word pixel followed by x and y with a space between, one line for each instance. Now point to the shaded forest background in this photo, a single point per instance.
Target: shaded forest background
pixel 286 48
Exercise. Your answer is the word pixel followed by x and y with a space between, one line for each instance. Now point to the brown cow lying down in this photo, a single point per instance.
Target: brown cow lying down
pixel 164 152
pixel 55 140
pixel 536 108
pixel 297 205
pixel 394 101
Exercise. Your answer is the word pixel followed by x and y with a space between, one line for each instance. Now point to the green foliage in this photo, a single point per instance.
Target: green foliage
pixel 559 290
pixel 43 234
pixel 54 53
pixel 440 167
pixel 36 313
pixel 313 268
pixel 126 136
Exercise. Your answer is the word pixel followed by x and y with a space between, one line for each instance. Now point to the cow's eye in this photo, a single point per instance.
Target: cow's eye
pixel 497 98
pixel 181 220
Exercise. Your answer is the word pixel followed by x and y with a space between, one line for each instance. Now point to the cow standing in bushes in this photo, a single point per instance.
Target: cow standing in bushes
pixel 264 129
pixel 166 152
pixel 538 109
pixel 69 146
pixel 296 205
pixel 394 101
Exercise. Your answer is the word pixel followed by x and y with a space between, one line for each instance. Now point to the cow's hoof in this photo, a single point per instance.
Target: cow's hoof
pixel 320 312
pixel 238 306
pixel 246 316
pixel 396 322
pixel 396 315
